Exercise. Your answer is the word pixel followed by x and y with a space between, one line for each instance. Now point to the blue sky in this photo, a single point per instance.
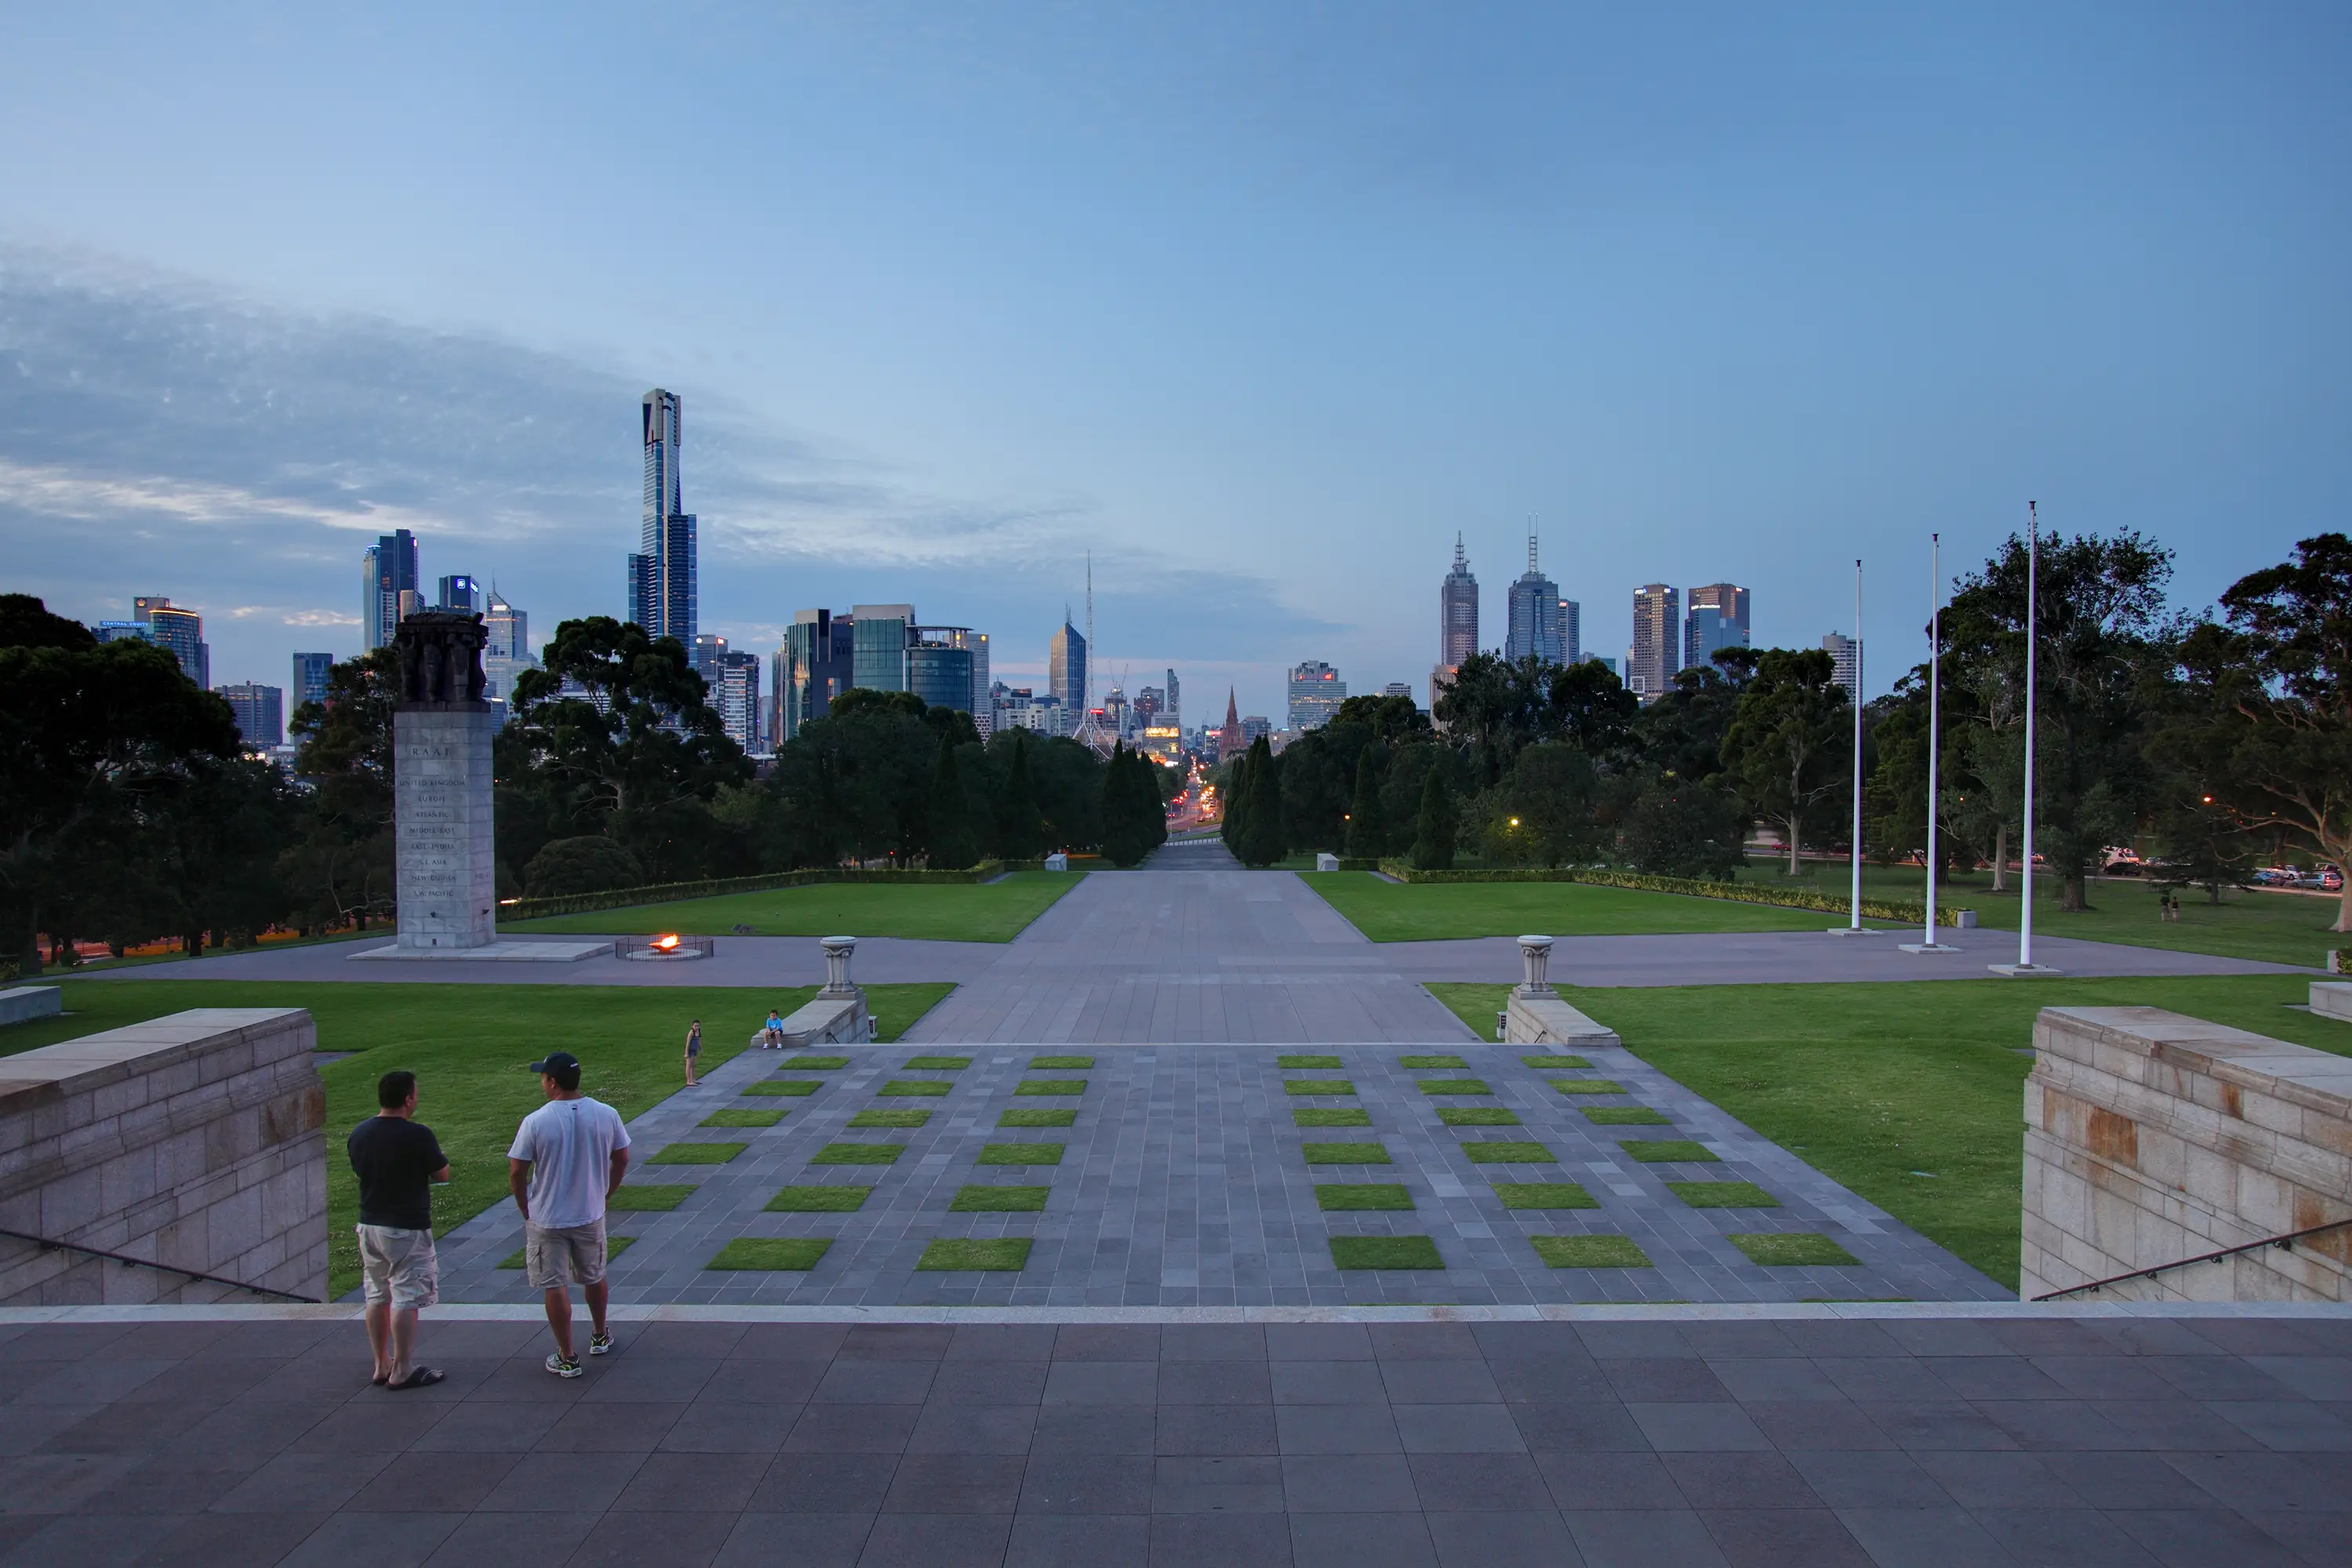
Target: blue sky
pixel 1260 304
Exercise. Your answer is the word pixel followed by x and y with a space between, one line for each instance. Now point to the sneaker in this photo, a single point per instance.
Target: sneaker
pixel 600 1345
pixel 562 1365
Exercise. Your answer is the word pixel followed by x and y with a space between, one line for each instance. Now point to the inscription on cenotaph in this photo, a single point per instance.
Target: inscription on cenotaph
pixel 441 729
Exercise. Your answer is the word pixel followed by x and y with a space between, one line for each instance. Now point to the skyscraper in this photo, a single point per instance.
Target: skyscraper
pixel 310 678
pixel 812 668
pixel 703 653
pixel 1457 621
pixel 388 570
pixel 1845 662
pixel 940 667
pixel 880 635
pixel 1066 669
pixel 1534 616
pixel 1174 712
pixel 735 692
pixel 178 629
pixel 1397 689
pixel 261 714
pixel 1572 632
pixel 662 588
pixel 462 594
pixel 1316 693
pixel 1716 619
pixel 506 652
pixel 1651 662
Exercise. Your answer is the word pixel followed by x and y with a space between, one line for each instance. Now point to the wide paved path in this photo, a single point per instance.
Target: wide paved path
pixel 1803 1440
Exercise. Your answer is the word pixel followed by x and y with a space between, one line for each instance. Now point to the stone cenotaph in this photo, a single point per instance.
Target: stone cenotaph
pixel 444 849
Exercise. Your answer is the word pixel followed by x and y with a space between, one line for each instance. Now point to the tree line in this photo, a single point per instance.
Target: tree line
pixel 2218 740
pixel 129 813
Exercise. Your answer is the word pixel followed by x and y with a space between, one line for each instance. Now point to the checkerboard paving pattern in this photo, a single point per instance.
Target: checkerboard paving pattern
pixel 1184 1182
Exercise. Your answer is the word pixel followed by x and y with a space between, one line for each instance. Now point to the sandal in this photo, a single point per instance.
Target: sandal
pixel 379 1380
pixel 418 1377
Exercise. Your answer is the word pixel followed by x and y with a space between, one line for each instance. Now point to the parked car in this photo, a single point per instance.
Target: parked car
pixel 2331 880
pixel 2276 877
pixel 2120 861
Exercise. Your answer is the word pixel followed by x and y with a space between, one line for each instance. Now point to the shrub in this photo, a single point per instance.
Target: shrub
pixel 589 863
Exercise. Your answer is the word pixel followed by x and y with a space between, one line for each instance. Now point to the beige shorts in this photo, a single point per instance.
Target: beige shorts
pixel 576 1251
pixel 399 1266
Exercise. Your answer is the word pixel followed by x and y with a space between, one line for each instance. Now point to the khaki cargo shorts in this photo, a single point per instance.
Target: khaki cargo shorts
pixel 548 1252
pixel 399 1266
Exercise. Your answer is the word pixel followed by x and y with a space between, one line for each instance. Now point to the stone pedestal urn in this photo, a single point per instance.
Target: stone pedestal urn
pixel 837 951
pixel 1535 957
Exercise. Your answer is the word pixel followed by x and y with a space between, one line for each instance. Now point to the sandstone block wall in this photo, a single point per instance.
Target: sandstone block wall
pixel 1548 1021
pixel 196 1139
pixel 2151 1137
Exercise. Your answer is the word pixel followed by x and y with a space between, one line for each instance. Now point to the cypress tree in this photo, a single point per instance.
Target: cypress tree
pixel 1265 841
pixel 1432 843
pixel 1366 836
pixel 1020 828
pixel 1127 835
pixel 1236 813
pixel 952 844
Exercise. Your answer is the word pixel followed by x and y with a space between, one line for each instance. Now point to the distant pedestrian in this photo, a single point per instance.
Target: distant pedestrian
pixel 693 1050
pixel 775 1030
pixel 568 1159
pixel 397 1160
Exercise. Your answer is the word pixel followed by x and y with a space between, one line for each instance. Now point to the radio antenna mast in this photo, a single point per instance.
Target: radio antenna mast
pixel 1092 654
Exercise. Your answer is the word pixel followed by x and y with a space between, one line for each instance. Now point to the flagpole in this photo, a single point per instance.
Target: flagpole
pixel 1927 943
pixel 2025 964
pixel 1853 695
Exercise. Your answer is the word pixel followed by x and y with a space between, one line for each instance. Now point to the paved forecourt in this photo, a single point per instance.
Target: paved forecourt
pixel 1221 1175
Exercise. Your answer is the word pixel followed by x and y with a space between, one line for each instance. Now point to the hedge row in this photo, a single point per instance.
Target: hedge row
pixel 1738 892
pixel 667 892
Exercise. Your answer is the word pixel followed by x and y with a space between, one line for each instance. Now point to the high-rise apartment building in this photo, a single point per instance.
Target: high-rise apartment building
pixel 1065 668
pixel 735 693
pixel 178 629
pixel 663 596
pixel 1534 603
pixel 1572 632
pixel 817 664
pixel 1651 662
pixel 261 714
pixel 310 678
pixel 1316 693
pixel 1845 663
pixel 1716 617
pixel 461 594
pixel 506 650
pixel 387 570
pixel 880 635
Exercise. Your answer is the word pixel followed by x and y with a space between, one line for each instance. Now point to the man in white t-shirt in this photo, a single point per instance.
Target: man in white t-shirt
pixel 568 1158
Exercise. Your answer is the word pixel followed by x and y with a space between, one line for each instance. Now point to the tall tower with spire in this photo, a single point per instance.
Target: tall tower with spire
pixel 1457 621
pixel 1229 739
pixel 1534 614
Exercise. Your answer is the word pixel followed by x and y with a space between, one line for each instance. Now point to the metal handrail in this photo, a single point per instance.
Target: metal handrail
pixel 2287 1240
pixel 50 1243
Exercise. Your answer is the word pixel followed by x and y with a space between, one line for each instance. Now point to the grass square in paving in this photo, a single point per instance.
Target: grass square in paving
pixel 614 1246
pixel 890 1116
pixel 1476 1115
pixel 1317 1086
pixel 1455 1085
pixel 1350 1196
pixel 1422 1063
pixel 1544 1196
pixel 1021 1153
pixel 1369 1153
pixel 1493 1151
pixel 1053 1086
pixel 831 1198
pixel 1587 1086
pixel 1665 1150
pixel 857 1153
pixel 770 1253
pixel 1722 1194
pixel 1038 1117
pixel 1563 1063
pixel 1305 1064
pixel 1331 1116
pixel 1008 1253
pixel 984 1199
pixel 915 1088
pixel 1589 1252
pixel 650 1197
pixel 1071 1064
pixel 798 1088
pixel 1625 1116
pixel 1793 1249
pixel 744 1117
pixel 1385 1252
pixel 697 1153
pixel 936 1064
pixel 814 1064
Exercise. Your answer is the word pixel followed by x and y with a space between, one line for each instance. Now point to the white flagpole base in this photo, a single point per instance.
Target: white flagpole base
pixel 1853 931
pixel 2023 971
pixel 1928 947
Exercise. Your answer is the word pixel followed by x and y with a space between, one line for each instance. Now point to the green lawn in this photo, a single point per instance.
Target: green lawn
pixel 953 911
pixel 2282 927
pixel 1911 1093
pixel 470 1046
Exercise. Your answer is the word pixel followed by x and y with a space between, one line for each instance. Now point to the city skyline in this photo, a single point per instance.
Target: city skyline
pixel 1754 295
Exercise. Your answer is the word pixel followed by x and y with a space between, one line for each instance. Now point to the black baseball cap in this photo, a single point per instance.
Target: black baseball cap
pixel 561 1065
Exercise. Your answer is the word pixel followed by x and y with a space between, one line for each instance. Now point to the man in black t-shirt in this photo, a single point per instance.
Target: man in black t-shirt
pixel 397 1160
